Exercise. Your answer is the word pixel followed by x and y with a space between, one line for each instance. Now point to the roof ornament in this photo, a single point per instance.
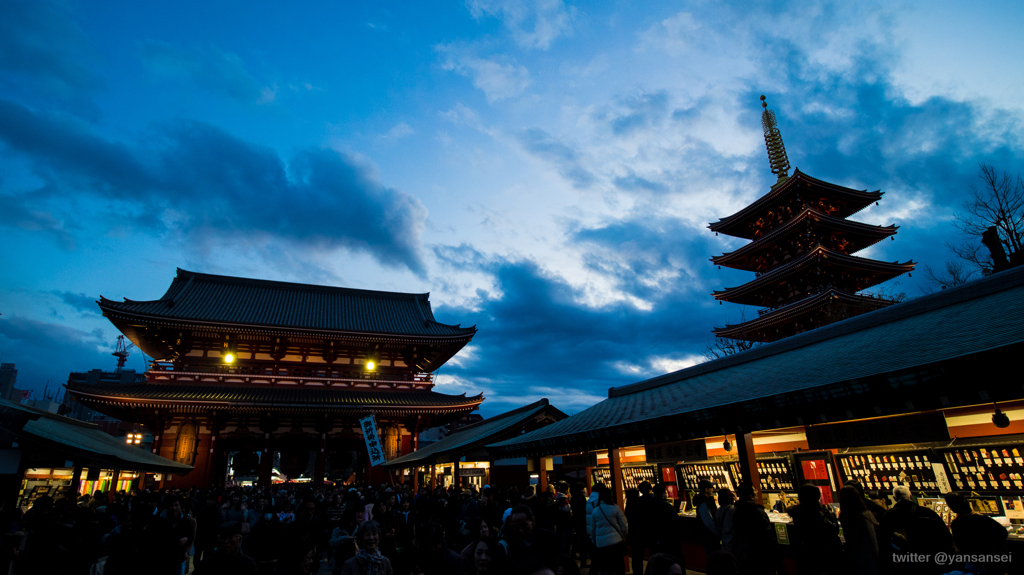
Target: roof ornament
pixel 773 140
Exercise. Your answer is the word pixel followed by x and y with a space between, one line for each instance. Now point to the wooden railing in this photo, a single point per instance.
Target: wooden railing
pixel 274 372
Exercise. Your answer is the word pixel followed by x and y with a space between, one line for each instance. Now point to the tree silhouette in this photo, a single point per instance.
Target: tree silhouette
pixel 993 221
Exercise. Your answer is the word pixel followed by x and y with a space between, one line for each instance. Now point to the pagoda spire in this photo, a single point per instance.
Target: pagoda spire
pixel 773 140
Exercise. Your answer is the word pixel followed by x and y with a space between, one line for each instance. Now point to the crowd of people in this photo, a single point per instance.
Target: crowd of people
pixel 866 537
pixel 386 530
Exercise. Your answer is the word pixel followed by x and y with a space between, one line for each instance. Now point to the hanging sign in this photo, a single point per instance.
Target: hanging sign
pixel 579 461
pixel 472 472
pixel 373 446
pixel 693 450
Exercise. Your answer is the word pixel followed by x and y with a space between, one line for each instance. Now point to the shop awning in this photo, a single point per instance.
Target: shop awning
pixel 947 349
pixel 86 444
pixel 475 436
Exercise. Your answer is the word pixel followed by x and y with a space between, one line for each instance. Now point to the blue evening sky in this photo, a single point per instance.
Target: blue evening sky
pixel 545 169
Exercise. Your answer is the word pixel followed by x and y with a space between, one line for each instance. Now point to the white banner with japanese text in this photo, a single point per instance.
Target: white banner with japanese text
pixel 373 446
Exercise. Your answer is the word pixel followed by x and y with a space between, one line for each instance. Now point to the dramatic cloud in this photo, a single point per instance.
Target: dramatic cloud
pixel 540 338
pixel 42 350
pixel 79 301
pixel 44 54
pixel 204 183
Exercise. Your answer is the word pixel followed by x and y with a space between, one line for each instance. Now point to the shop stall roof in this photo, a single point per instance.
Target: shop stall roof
pixel 819 376
pixel 477 435
pixel 88 445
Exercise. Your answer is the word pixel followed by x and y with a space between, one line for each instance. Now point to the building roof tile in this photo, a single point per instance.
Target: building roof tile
pixel 972 318
pixel 472 436
pixel 216 299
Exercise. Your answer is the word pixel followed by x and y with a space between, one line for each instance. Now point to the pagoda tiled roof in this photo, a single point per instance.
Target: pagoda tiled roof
pixel 752 292
pixel 473 436
pixel 856 200
pixel 207 299
pixel 979 319
pixel 863 236
pixel 755 328
pixel 270 397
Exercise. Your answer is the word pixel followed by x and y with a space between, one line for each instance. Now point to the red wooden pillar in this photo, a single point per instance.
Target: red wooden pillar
pixel 748 463
pixel 115 475
pixel 158 434
pixel 433 477
pixel 616 468
pixel 211 455
pixel 542 480
pixel 456 478
pixel 589 479
pixel 321 457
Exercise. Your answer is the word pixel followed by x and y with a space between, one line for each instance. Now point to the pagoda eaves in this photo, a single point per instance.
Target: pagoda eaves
pixel 777 288
pixel 789 198
pixel 793 239
pixel 802 315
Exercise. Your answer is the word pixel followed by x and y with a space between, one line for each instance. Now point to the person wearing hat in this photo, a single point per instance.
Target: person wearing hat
pixel 704 503
pixel 227 558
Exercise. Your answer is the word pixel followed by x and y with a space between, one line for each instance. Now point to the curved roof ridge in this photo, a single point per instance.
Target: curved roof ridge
pixel 277 284
pixel 543 402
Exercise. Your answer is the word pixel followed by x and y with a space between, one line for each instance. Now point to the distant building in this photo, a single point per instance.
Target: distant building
pixel 110 425
pixel 78 410
pixel 9 377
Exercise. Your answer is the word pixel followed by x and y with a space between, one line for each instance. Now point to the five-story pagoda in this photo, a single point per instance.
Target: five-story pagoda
pixel 254 376
pixel 802 252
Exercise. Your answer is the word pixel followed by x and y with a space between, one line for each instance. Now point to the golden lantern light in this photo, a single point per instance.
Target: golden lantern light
pixel 370 365
pixel 229 358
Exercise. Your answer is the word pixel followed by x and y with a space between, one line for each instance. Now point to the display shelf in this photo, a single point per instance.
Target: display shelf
pixel 633 476
pixel 884 471
pixel 776 474
pixel 690 474
pixel 985 469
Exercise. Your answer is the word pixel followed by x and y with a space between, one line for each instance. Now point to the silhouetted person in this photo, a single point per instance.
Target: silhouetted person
pixel 861 549
pixel 227 558
pixel 814 534
pixel 753 534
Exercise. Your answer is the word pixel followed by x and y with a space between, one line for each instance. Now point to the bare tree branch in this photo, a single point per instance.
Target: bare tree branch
pixel 956 273
pixel 998 203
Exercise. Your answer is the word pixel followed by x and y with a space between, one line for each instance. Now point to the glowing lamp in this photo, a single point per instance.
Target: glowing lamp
pixel 370 366
pixel 229 358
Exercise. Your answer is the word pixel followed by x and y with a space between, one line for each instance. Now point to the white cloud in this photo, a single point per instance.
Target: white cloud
pixel 398 132
pixel 466 356
pixel 498 80
pixel 533 24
